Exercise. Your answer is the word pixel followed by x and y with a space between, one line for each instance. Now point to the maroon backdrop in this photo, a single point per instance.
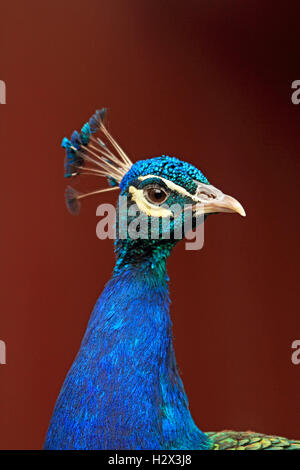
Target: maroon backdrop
pixel 209 82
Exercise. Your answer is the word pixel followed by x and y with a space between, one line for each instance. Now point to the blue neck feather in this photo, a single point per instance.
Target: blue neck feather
pixel 123 390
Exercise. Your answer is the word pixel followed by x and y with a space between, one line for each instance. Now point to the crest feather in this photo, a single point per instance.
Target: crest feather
pixel 88 154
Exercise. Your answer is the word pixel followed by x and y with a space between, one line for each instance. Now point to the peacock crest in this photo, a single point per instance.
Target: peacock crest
pixel 92 155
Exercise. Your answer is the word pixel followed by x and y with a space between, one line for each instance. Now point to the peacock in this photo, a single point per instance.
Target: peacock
pixel 123 390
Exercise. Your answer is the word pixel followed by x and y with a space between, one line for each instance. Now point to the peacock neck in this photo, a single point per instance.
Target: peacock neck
pixel 149 256
pixel 140 329
pixel 125 380
pixel 137 296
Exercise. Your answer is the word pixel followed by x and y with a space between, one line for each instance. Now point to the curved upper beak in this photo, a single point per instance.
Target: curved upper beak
pixel 227 204
pixel 211 200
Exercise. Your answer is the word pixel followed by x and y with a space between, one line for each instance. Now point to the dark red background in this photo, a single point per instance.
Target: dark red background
pixel 209 82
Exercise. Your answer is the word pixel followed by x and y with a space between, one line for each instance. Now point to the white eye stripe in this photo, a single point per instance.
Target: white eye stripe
pixel 172 186
pixel 203 194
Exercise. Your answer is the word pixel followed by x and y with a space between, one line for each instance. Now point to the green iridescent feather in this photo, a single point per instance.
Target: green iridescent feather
pixel 233 440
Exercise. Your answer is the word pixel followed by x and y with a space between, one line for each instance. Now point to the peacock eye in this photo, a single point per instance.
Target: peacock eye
pixel 156 195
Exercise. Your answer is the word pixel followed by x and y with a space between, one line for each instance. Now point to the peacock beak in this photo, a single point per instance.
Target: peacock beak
pixel 227 204
pixel 211 200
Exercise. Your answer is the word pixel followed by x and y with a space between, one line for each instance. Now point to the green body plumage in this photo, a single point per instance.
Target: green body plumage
pixel 232 440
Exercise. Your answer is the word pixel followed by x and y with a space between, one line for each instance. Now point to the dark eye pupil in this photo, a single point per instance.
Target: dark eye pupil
pixel 156 195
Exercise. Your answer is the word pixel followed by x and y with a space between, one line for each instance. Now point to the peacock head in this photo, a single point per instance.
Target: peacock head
pixel 161 198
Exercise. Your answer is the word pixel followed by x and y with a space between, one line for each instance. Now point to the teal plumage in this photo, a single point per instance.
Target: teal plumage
pixel 124 390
